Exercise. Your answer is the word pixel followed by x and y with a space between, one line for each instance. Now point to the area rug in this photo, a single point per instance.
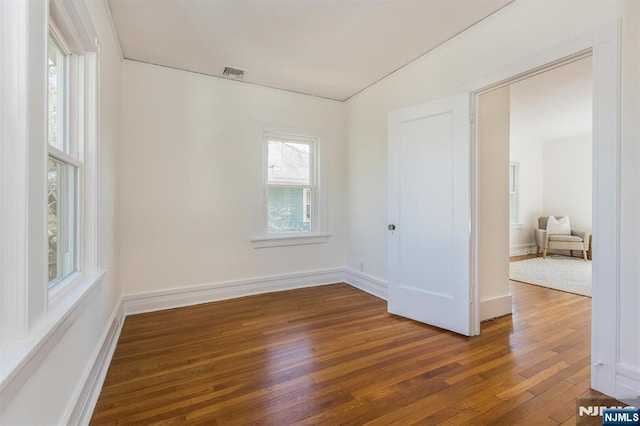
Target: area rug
pixel 558 272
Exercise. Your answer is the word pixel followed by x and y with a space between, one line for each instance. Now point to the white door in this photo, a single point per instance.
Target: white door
pixel 429 213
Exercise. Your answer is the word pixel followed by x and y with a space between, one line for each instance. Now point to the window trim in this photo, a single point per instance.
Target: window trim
pixel 319 233
pixel 34 317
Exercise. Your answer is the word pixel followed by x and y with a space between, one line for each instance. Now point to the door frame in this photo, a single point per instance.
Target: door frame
pixel 603 44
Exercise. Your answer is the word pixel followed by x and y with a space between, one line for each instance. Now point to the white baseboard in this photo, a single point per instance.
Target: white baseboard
pixel 628 384
pixel 367 283
pixel 89 390
pixel 522 249
pixel 495 307
pixel 203 293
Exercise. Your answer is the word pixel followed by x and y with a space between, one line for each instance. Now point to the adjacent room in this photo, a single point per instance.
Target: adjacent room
pixel 550 174
pixel 275 212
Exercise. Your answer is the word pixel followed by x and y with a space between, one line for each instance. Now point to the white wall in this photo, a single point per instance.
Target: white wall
pixel 506 36
pixel 551 122
pixel 493 203
pixel 188 177
pixel 51 392
pixel 566 176
pixel 529 154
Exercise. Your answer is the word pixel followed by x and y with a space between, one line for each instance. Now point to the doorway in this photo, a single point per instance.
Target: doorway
pixel 603 45
pixel 535 164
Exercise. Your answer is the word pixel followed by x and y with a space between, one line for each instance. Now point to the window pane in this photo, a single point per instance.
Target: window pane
pixel 61 202
pixel 288 163
pixel 57 96
pixel 288 208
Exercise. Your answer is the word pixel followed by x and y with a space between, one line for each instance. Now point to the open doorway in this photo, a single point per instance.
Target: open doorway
pixel 535 159
pixel 550 178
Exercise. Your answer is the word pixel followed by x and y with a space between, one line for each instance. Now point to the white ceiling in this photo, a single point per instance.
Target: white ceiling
pixel 555 105
pixel 327 48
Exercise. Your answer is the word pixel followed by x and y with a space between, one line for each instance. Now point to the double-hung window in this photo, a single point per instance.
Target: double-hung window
pixel 63 168
pixel 290 184
pixel 49 232
pixel 291 198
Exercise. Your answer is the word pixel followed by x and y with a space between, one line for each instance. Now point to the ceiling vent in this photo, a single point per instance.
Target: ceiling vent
pixel 232 72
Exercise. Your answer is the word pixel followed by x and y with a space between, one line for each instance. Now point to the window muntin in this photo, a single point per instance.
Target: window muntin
pixel 62 168
pixel 290 183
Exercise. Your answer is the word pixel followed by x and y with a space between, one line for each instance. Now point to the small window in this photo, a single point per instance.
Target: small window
pixel 290 183
pixel 514 193
pixel 290 194
pixel 62 169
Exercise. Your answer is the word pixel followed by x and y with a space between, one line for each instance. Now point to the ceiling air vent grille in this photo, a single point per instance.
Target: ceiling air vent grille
pixel 232 72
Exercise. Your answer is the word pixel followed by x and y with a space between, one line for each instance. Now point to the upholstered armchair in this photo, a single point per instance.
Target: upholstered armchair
pixel 576 240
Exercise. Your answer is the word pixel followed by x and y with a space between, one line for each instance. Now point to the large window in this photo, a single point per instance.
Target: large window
pixel 291 202
pixel 62 168
pixel 50 177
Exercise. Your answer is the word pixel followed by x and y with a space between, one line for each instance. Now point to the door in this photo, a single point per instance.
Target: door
pixel 429 213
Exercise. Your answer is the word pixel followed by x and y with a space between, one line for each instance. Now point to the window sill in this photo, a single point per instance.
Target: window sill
pixel 516 225
pixel 22 357
pixel 289 240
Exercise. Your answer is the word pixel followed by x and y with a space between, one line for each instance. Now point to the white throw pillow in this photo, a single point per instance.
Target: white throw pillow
pixel 559 227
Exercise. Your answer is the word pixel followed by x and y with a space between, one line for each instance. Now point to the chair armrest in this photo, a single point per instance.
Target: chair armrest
pixel 542 238
pixel 582 234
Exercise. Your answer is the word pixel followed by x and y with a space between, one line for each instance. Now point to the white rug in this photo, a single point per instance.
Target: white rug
pixel 558 272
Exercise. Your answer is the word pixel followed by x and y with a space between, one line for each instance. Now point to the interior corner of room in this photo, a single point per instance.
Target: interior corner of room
pixel 412 168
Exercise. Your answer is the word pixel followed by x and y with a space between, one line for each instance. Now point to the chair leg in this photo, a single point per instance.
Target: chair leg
pixel 584 254
pixel 544 253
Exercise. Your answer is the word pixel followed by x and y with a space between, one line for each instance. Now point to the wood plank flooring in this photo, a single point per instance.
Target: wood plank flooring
pixel 332 355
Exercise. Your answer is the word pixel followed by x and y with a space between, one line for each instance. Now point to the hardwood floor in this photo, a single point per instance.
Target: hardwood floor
pixel 333 355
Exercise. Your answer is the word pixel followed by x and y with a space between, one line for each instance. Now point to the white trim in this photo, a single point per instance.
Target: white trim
pixel 289 240
pixel 367 283
pixel 114 31
pixel 629 371
pixel 14 168
pixel 151 301
pixel 73 21
pixel 495 307
pixel 85 398
pixel 604 43
pixel 522 249
pixel 320 225
pixel 21 359
pixel 628 384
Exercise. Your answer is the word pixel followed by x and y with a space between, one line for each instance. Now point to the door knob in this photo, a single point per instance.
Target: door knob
pixel 392 227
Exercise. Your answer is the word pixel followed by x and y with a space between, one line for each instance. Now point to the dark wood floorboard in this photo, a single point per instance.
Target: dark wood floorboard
pixel 332 355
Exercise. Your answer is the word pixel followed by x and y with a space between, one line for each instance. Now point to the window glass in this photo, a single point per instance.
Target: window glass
pixel 62 171
pixel 289 186
pixel 56 111
pixel 288 162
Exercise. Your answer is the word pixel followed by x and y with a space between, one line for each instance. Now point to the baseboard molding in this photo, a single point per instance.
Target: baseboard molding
pixel 522 249
pixel 366 283
pixel 193 295
pixel 495 307
pixel 628 384
pixel 91 386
